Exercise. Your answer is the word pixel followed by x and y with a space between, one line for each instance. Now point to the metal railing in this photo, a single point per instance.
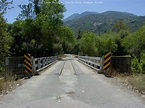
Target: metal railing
pixel 15 65
pixel 41 63
pixel 96 62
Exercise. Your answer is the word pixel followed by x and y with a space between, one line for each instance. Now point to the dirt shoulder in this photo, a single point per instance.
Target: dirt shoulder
pixel 135 83
pixel 7 86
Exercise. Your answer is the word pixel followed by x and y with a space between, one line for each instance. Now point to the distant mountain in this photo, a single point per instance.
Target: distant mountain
pixel 77 15
pixel 87 13
pixel 72 17
pixel 118 14
pixel 102 22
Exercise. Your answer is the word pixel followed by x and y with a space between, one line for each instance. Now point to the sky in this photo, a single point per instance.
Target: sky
pixel 136 7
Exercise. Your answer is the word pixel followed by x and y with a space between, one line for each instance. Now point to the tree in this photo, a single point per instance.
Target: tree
pixel 45 18
pixel 66 38
pixel 4 5
pixel 106 43
pixel 5 37
pixel 26 11
pixel 122 29
pixel 36 6
pixel 57 49
pixel 15 30
pixel 120 51
pixel 5 42
pixel 134 42
pixel 88 44
pixel 52 14
pixel 29 35
pixel 97 45
pixel 53 10
pixel 31 10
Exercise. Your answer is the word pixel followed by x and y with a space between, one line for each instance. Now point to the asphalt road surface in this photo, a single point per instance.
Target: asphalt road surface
pixel 70 84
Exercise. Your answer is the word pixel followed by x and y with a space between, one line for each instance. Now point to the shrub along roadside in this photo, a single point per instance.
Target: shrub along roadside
pixel 137 67
pixel 143 61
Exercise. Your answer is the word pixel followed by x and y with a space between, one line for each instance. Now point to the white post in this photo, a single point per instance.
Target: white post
pixel 102 63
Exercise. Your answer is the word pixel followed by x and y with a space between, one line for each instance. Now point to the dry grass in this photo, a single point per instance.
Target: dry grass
pixel 138 82
pixel 8 83
pixel 135 81
pixel 1 84
pixel 7 86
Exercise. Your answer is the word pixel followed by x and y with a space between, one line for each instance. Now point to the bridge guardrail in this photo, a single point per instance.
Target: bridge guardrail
pixel 96 62
pixel 120 63
pixel 42 62
pixel 15 65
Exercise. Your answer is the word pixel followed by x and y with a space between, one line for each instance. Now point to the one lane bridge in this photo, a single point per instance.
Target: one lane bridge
pixel 70 84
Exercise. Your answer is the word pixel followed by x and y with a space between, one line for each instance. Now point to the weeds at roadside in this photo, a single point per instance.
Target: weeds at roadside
pixel 1 85
pixel 138 82
pixel 8 83
pixel 134 81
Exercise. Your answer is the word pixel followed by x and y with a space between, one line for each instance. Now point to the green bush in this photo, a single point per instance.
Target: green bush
pixel 143 61
pixel 137 67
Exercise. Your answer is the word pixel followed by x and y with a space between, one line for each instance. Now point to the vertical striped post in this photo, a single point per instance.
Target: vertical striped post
pixel 27 63
pixel 107 60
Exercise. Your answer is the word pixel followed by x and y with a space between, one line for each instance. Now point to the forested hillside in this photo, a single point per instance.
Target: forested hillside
pixel 103 22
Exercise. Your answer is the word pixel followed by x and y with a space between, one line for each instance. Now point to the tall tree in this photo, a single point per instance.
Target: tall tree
pixel 88 44
pixel 26 11
pixel 122 29
pixel 5 37
pixel 4 5
pixel 37 6
pixel 134 42
pixel 30 10
pixel 121 49
pixel 52 10
pixel 15 30
pixel 44 17
pixel 106 42
pixel 66 37
pixel 5 41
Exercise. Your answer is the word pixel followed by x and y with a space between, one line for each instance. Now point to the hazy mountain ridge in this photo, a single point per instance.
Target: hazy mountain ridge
pixel 77 15
pixel 101 22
